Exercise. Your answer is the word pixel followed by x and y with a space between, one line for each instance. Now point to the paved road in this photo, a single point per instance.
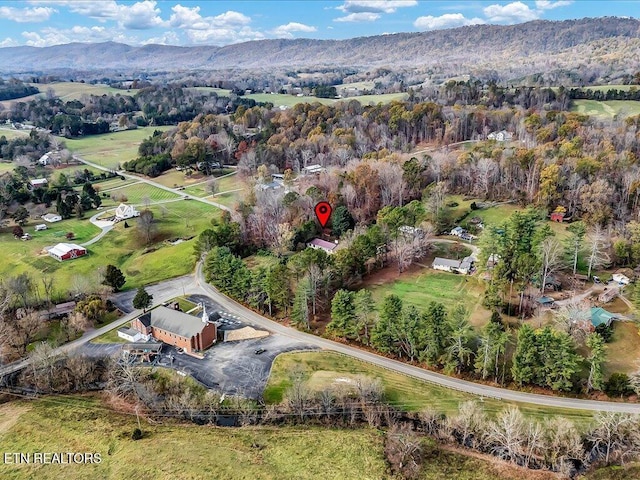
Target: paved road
pixel 154 184
pixel 249 316
pixel 166 290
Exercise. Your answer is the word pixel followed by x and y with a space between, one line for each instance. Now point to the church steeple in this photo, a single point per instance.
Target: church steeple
pixel 205 316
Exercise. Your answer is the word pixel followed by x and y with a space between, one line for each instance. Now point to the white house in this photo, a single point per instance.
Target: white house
pixel 457 232
pixel 44 160
pixel 620 278
pixel 125 211
pixel 39 182
pixel 313 169
pixel 51 217
pixel 455 266
pixel 320 244
pixel 501 136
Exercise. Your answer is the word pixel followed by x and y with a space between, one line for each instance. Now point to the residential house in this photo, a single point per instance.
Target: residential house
pixel 269 186
pixel 320 244
pixel 193 334
pixel 457 232
pixel 599 316
pixel 51 217
pixel 463 266
pixel 411 231
pixel 124 211
pixel 44 160
pixel 501 136
pixel 620 279
pixel 313 169
pixel 66 251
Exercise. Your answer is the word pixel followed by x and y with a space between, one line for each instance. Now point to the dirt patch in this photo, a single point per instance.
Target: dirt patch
pixel 10 414
pixel 388 274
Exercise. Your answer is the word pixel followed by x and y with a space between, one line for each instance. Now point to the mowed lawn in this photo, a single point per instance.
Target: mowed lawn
pixel 138 194
pixel 606 110
pixel 421 286
pixel 121 247
pixel 279 99
pixel 326 369
pixel 111 149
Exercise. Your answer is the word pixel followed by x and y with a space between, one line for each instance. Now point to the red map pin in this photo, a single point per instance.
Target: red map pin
pixel 323 212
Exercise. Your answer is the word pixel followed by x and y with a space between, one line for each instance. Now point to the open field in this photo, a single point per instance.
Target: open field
pixel 119 247
pixel 138 194
pixel 323 369
pixel 605 88
pixel 70 91
pixel 6 167
pixel 225 184
pixel 279 99
pixel 623 353
pixel 111 149
pixel 606 110
pixel 356 85
pixel 421 285
pixel 222 92
pixel 10 133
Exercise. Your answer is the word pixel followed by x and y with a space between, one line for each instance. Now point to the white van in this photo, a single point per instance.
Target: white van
pixel 40 227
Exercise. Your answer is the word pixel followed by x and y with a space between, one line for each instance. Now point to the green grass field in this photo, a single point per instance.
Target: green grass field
pixel 70 91
pixel 119 247
pixel 422 286
pixel 322 369
pixel 222 92
pixel 606 110
pixel 605 88
pixel 279 99
pixel 138 194
pixel 111 149
pixel 10 134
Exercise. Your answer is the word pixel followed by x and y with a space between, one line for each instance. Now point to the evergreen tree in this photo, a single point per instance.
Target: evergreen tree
pixel 436 333
pixel 341 221
pixel 525 358
pixel 459 352
pixel 142 299
pixel 383 336
pixel 365 315
pixel 114 278
pixel 596 361
pixel 343 314
pixel 301 313
pixel 277 287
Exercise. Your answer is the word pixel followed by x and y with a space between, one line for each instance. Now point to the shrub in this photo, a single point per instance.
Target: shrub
pixel 137 434
pixel 618 385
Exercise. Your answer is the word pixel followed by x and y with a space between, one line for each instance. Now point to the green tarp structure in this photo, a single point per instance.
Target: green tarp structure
pixel 600 316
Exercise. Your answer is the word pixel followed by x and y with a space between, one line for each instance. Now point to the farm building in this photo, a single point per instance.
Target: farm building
pixel 66 251
pixel 125 211
pixel 599 316
pixel 320 244
pixel 176 328
pixel 557 217
pixel 39 183
pixel 463 266
pixel 51 217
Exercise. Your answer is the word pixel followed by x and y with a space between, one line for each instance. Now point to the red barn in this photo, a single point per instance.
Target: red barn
pixel 66 251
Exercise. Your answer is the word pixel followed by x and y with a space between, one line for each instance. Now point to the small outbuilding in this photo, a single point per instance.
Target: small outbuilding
pixel 51 217
pixel 599 316
pixel 39 183
pixel 620 278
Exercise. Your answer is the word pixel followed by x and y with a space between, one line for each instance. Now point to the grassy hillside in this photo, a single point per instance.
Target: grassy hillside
pixel 189 452
pixel 110 149
pixel 606 110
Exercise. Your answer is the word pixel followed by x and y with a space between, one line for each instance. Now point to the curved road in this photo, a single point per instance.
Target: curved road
pixel 478 389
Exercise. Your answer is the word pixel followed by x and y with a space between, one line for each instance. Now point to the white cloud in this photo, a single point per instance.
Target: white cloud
pixel 26 15
pixel 168 38
pixel 137 16
pixel 511 13
pixel 54 36
pixel 358 17
pixel 8 42
pixel 548 5
pixel 375 6
pixel 448 20
pixel 286 31
pixel 228 27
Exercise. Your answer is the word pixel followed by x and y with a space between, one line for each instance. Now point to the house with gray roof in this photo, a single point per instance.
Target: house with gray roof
pixel 463 266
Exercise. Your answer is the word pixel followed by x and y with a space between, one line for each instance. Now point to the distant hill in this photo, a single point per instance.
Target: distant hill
pixel 515 50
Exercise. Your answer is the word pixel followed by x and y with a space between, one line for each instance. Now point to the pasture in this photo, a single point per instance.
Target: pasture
pixel 112 149
pixel 606 110
pixel 70 91
pixel 121 247
pixel 10 133
pixel 279 99
pixel 137 193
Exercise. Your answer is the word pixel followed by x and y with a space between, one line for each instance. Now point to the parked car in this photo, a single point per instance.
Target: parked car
pixel 260 351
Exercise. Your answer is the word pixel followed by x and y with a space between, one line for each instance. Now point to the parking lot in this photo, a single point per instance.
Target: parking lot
pixel 233 368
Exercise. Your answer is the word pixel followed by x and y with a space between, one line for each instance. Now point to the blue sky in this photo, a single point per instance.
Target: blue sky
pixel 216 22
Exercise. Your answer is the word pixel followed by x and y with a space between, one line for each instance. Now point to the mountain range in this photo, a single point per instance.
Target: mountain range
pixel 525 48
